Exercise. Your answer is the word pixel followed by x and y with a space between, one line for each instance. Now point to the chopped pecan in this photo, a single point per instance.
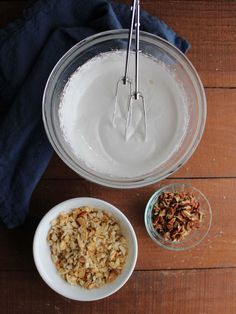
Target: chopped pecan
pixel 175 214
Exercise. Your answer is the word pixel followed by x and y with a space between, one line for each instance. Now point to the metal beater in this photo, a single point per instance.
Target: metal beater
pixel 135 98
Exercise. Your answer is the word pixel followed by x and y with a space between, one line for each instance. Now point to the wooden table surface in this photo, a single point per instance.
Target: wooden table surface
pixel 198 281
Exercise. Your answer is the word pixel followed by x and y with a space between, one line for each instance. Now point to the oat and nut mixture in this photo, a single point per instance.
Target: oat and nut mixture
pixel 175 214
pixel 87 247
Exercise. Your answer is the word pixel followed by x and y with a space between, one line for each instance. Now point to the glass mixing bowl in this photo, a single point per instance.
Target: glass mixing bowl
pixel 150 45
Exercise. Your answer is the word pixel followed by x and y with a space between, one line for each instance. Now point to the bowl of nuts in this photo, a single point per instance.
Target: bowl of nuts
pixel 85 249
pixel 178 217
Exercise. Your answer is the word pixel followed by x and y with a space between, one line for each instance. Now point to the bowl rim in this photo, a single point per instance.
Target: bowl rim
pixel 142 180
pixel 149 208
pixel 55 211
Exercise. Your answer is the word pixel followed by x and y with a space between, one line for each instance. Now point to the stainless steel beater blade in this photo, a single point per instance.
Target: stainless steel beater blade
pixel 141 123
pixel 136 118
pixel 124 80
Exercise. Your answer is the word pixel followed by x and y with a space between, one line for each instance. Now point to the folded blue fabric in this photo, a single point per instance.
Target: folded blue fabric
pixel 29 49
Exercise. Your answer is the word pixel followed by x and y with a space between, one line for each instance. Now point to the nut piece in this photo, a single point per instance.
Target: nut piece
pixel 87 247
pixel 175 214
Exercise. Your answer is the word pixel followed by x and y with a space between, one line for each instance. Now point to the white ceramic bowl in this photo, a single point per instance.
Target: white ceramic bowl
pixel 47 270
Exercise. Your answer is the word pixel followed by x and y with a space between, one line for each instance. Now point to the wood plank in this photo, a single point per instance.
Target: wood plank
pixel 216 153
pixel 153 288
pixel 217 250
pixel 212 53
pixel 169 292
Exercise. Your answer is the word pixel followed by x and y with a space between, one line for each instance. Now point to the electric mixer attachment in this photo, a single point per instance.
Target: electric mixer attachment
pixel 136 109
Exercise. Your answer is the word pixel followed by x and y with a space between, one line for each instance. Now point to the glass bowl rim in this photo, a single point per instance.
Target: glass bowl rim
pixel 149 208
pixel 146 179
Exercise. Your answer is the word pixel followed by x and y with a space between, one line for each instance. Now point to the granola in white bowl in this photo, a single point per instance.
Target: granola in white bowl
pixel 85 249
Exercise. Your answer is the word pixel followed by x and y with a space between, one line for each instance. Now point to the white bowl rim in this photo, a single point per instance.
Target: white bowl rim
pixel 70 204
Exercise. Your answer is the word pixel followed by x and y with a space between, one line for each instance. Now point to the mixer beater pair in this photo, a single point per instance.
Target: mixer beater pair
pixel 135 98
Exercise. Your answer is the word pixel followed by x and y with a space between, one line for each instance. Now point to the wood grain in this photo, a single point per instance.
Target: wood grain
pixel 217 250
pixel 212 53
pixel 199 281
pixel 168 292
pixel 216 153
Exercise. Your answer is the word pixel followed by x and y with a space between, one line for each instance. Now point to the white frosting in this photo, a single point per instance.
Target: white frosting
pixel 86 115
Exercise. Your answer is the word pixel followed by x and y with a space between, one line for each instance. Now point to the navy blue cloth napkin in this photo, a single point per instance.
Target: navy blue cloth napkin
pixel 29 49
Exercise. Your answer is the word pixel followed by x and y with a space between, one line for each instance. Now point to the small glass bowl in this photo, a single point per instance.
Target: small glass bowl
pixel 195 236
